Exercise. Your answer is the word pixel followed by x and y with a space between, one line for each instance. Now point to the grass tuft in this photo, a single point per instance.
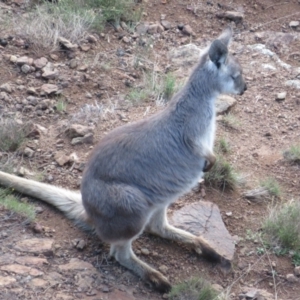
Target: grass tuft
pixel 223 146
pixel 61 106
pixel 293 154
pixel 222 175
pixel 272 187
pixel 282 227
pixel 231 121
pixel 12 134
pixel 193 289
pixel 10 202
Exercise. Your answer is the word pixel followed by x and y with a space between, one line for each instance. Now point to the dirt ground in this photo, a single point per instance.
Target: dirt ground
pixel 266 128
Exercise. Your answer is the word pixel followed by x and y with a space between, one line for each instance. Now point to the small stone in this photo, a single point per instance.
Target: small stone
pixel 126 40
pixel 294 24
pixel 166 24
pixel 25 69
pixel 86 139
pixel 164 269
pixel 76 264
pixel 91 38
pixel 24 60
pixel 77 130
pixel 6 87
pixel 217 287
pixel 66 43
pixel 4 96
pixel 297 271
pixel 155 28
pixel 35 245
pixel 37 228
pixel 145 251
pixel 21 270
pixel 85 47
pixel 61 158
pixel 224 104
pixel 187 29
pixel 40 62
pixel 49 88
pixel 50 74
pixel 228 214
pixel 28 152
pixel 281 96
pixel 82 68
pixel 231 15
pixel 39 210
pixel 142 28
pixel 73 64
pixel 291 278
pixel 13 59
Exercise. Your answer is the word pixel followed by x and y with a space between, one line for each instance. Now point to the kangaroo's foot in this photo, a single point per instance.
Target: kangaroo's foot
pixel 124 255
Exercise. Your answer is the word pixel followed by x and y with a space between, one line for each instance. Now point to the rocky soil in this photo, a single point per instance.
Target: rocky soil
pixel 74 96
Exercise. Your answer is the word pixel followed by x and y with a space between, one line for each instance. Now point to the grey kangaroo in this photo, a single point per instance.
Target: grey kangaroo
pixel 138 170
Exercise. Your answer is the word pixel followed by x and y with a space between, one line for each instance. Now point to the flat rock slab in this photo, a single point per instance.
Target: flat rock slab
pixel 36 246
pixel 224 103
pixel 76 264
pixel 204 219
pixel 6 280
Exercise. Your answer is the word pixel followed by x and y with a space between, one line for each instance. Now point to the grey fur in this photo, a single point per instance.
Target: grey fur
pixel 138 170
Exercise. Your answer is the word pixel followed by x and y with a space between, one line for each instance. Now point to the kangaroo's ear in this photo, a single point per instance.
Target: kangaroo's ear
pixel 218 53
pixel 226 36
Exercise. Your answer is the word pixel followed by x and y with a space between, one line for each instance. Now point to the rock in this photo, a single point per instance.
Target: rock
pixel 38 283
pixel 86 139
pixel 77 130
pixel 155 28
pixel 49 89
pixel 281 96
pixel 6 87
pixel 204 219
pixel 224 104
pixel 231 15
pixel 6 280
pixel 49 74
pixel 24 60
pixel 21 270
pixel 79 244
pixel 294 24
pixel 40 62
pixel 37 228
pixel 145 251
pixel 13 59
pixel 217 287
pixel 73 64
pixel 82 68
pixel 91 38
pixel 61 158
pixel 164 269
pixel 187 29
pixel 25 69
pixel 291 278
pixel 28 152
pixel 4 96
pixel 142 28
pixel 35 245
pixel 185 56
pixel 297 271
pixel 166 24
pixel 126 40
pixel 293 83
pixel 85 47
pixel 76 264
pixel 66 43
pixel 31 261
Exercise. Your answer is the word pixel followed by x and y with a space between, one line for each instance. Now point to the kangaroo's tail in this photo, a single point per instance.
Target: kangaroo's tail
pixel 69 202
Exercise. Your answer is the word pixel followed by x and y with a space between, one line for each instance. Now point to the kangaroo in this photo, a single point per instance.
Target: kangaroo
pixel 137 170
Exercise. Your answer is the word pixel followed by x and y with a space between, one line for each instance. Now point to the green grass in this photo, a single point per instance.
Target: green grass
pixel 293 154
pixel 10 202
pixel 223 146
pixel 12 134
pixel 282 227
pixel 272 186
pixel 61 106
pixel 169 86
pixel 231 121
pixel 222 175
pixel 193 289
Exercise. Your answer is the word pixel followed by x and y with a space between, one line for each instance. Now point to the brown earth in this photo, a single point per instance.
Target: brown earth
pixel 267 127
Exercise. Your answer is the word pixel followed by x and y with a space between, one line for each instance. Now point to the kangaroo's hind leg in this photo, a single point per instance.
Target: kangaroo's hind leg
pixel 122 251
pixel 160 226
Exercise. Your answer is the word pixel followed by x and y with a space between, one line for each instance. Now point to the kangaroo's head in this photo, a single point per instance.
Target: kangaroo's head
pixel 226 68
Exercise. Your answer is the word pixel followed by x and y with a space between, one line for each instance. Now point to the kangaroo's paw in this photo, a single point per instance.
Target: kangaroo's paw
pixel 210 161
pixel 158 281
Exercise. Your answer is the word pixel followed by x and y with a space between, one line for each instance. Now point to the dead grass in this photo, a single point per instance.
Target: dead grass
pixel 193 289
pixel 12 134
pixel 282 227
pixel 293 154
